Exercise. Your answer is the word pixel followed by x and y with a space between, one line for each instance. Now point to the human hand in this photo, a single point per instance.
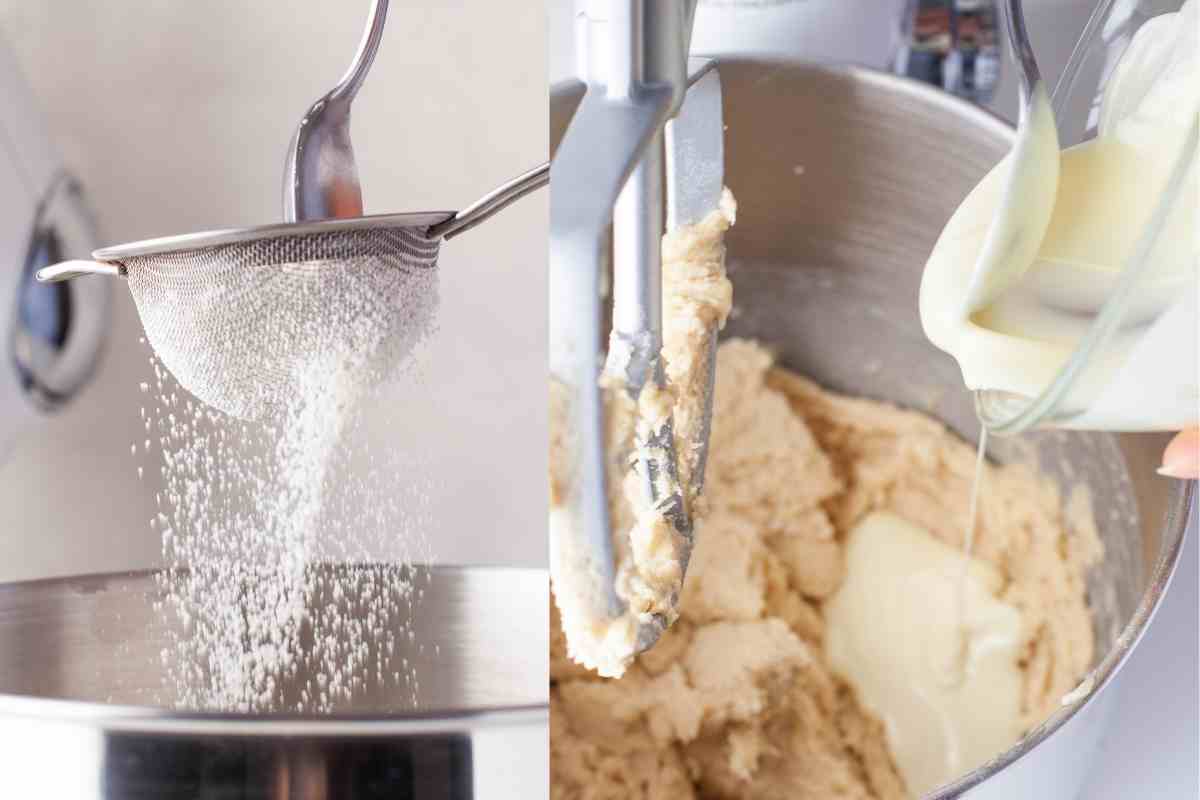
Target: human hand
pixel 1181 459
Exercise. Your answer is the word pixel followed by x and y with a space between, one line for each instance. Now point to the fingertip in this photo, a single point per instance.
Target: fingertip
pixel 1181 459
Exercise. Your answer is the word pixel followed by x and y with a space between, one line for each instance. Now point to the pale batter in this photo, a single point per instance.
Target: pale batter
pixel 738 698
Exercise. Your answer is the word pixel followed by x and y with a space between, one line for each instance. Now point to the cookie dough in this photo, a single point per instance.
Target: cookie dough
pixel 737 700
pixel 651 551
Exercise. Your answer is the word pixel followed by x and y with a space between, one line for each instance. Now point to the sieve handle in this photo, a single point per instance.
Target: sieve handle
pixel 496 200
pixel 66 270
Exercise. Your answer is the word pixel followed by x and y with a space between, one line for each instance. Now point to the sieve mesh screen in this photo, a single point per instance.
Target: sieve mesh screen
pixel 240 325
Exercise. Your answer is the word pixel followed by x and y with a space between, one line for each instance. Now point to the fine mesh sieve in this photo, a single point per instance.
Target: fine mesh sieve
pixel 239 324
pixel 243 318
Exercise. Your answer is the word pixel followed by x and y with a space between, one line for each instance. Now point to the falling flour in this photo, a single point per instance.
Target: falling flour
pixel 272 528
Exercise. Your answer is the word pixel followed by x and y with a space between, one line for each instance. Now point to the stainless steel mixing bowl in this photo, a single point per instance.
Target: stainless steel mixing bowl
pixel 844 179
pixel 87 708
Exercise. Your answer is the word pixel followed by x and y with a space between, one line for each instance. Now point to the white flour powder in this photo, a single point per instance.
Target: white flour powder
pixel 251 514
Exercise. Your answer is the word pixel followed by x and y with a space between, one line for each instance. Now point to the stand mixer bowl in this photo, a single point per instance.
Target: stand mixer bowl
pixel 86 706
pixel 844 178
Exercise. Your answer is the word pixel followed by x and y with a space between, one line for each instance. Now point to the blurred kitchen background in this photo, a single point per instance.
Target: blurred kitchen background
pixel 947 42
pixel 175 116
pixel 1151 749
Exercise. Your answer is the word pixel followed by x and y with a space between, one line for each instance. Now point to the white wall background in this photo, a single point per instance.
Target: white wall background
pixel 176 115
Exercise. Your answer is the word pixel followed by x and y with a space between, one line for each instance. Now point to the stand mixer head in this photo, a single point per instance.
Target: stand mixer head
pixel 647 110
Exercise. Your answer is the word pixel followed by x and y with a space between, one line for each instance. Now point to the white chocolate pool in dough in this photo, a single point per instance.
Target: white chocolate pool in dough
pixel 895 633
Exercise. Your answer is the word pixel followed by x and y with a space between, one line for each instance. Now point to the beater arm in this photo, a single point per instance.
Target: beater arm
pixel 609 170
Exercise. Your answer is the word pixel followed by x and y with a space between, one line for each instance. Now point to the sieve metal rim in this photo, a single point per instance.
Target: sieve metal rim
pixel 216 238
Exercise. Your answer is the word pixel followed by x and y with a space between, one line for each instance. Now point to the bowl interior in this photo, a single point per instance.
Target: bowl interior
pixel 467 639
pixel 844 179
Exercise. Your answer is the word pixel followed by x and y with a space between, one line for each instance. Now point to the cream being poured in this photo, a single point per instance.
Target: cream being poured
pixel 1016 336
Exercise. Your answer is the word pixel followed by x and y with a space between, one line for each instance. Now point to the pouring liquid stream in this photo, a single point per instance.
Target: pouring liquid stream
pixel 956 671
pixel 1042 302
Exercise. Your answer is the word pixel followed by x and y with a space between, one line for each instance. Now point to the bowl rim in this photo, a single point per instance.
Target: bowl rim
pixel 187 242
pixel 147 719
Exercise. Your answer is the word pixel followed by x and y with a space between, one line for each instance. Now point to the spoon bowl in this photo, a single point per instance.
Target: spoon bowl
pixel 320 177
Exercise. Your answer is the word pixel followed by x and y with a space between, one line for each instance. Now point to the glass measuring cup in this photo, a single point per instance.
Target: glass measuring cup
pixel 1113 345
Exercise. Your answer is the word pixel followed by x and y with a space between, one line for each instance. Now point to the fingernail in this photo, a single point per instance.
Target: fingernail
pixel 1181 459
pixel 1177 469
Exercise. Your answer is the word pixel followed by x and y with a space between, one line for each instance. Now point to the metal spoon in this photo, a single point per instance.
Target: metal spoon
pixel 320 179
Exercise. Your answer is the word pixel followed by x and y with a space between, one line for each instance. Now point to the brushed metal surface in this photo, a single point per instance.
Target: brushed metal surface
pixel 82 683
pixel 844 178
pixel 476 639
